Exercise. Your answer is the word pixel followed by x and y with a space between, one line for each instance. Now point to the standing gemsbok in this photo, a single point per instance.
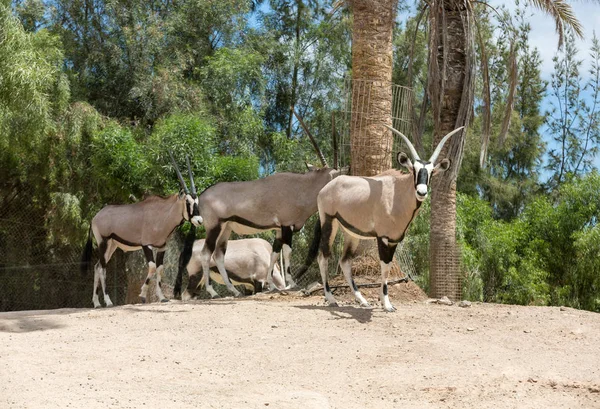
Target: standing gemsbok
pixel 145 225
pixel 374 208
pixel 281 202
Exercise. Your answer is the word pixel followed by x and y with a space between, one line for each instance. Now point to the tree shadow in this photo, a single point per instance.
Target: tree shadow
pixel 360 314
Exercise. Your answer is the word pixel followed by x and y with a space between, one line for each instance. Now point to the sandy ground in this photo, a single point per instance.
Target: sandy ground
pixel 286 351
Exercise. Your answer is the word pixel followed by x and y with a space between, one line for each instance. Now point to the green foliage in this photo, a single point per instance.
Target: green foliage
pixel 191 134
pixel 416 243
pixel 63 219
pixel 587 274
pixel 235 168
pixel 232 77
pixel 118 162
pixel 29 73
pixel 512 169
pixel 575 114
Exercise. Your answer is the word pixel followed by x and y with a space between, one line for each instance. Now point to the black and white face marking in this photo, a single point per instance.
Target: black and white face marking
pixel 193 211
pixel 422 172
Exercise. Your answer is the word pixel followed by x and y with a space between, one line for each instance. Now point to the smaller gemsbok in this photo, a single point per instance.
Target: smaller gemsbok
pixel 374 208
pixel 145 225
pixel 247 262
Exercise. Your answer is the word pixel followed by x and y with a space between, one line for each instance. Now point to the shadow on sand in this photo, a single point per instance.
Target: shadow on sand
pixel 158 308
pixel 360 314
pixel 30 321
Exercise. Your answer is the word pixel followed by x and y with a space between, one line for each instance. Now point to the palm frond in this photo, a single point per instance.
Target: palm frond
pixel 563 15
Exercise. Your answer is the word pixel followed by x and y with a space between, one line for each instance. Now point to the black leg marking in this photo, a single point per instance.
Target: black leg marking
pixel 349 253
pixel 258 287
pixel 160 256
pixel 385 289
pixel 277 244
pixel 286 235
pixel 327 287
pixel 210 243
pixel 386 251
pixel 147 281
pixel 223 247
pixel 102 252
pixel 326 231
pixel 211 238
pixel 194 281
pixel 354 287
pixel 148 253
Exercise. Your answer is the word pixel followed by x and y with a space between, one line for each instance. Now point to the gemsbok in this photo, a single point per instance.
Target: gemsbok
pixel 145 225
pixel 374 208
pixel 247 262
pixel 281 202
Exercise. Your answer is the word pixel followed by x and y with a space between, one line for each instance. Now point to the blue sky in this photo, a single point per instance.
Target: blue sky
pixel 545 39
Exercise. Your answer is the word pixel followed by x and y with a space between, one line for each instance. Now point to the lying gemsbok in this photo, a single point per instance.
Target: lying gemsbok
pixel 247 262
pixel 145 225
pixel 281 202
pixel 374 208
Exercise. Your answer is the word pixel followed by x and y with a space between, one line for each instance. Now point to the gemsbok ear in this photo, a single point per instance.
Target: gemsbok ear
pixel 404 160
pixel 442 166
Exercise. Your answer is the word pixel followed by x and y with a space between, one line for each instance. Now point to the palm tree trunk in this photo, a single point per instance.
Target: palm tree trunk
pixel 371 90
pixel 451 93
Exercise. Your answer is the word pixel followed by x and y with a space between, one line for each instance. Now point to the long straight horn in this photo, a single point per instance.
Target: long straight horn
pixel 181 181
pixel 312 139
pixel 412 149
pixel 437 151
pixel 193 186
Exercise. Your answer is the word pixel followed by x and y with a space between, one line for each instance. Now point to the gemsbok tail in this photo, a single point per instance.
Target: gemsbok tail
pixel 313 250
pixel 86 257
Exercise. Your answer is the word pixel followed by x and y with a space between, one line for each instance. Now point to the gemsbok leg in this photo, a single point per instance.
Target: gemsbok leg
pixel 286 238
pixel 152 270
pixel 277 244
pixel 282 243
pixel 386 255
pixel 350 245
pixel 215 246
pixel 160 256
pixel 107 248
pixel 219 257
pixel 328 230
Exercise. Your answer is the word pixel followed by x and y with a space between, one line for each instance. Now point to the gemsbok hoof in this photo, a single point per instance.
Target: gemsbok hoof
pixel 164 300
pixel 143 300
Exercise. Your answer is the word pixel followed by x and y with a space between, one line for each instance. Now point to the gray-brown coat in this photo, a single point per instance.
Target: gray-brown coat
pixel 281 202
pixel 374 208
pixel 144 225
pixel 247 261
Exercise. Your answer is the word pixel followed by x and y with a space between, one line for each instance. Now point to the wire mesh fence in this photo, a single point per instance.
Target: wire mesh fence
pixel 356 117
pixel 35 275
